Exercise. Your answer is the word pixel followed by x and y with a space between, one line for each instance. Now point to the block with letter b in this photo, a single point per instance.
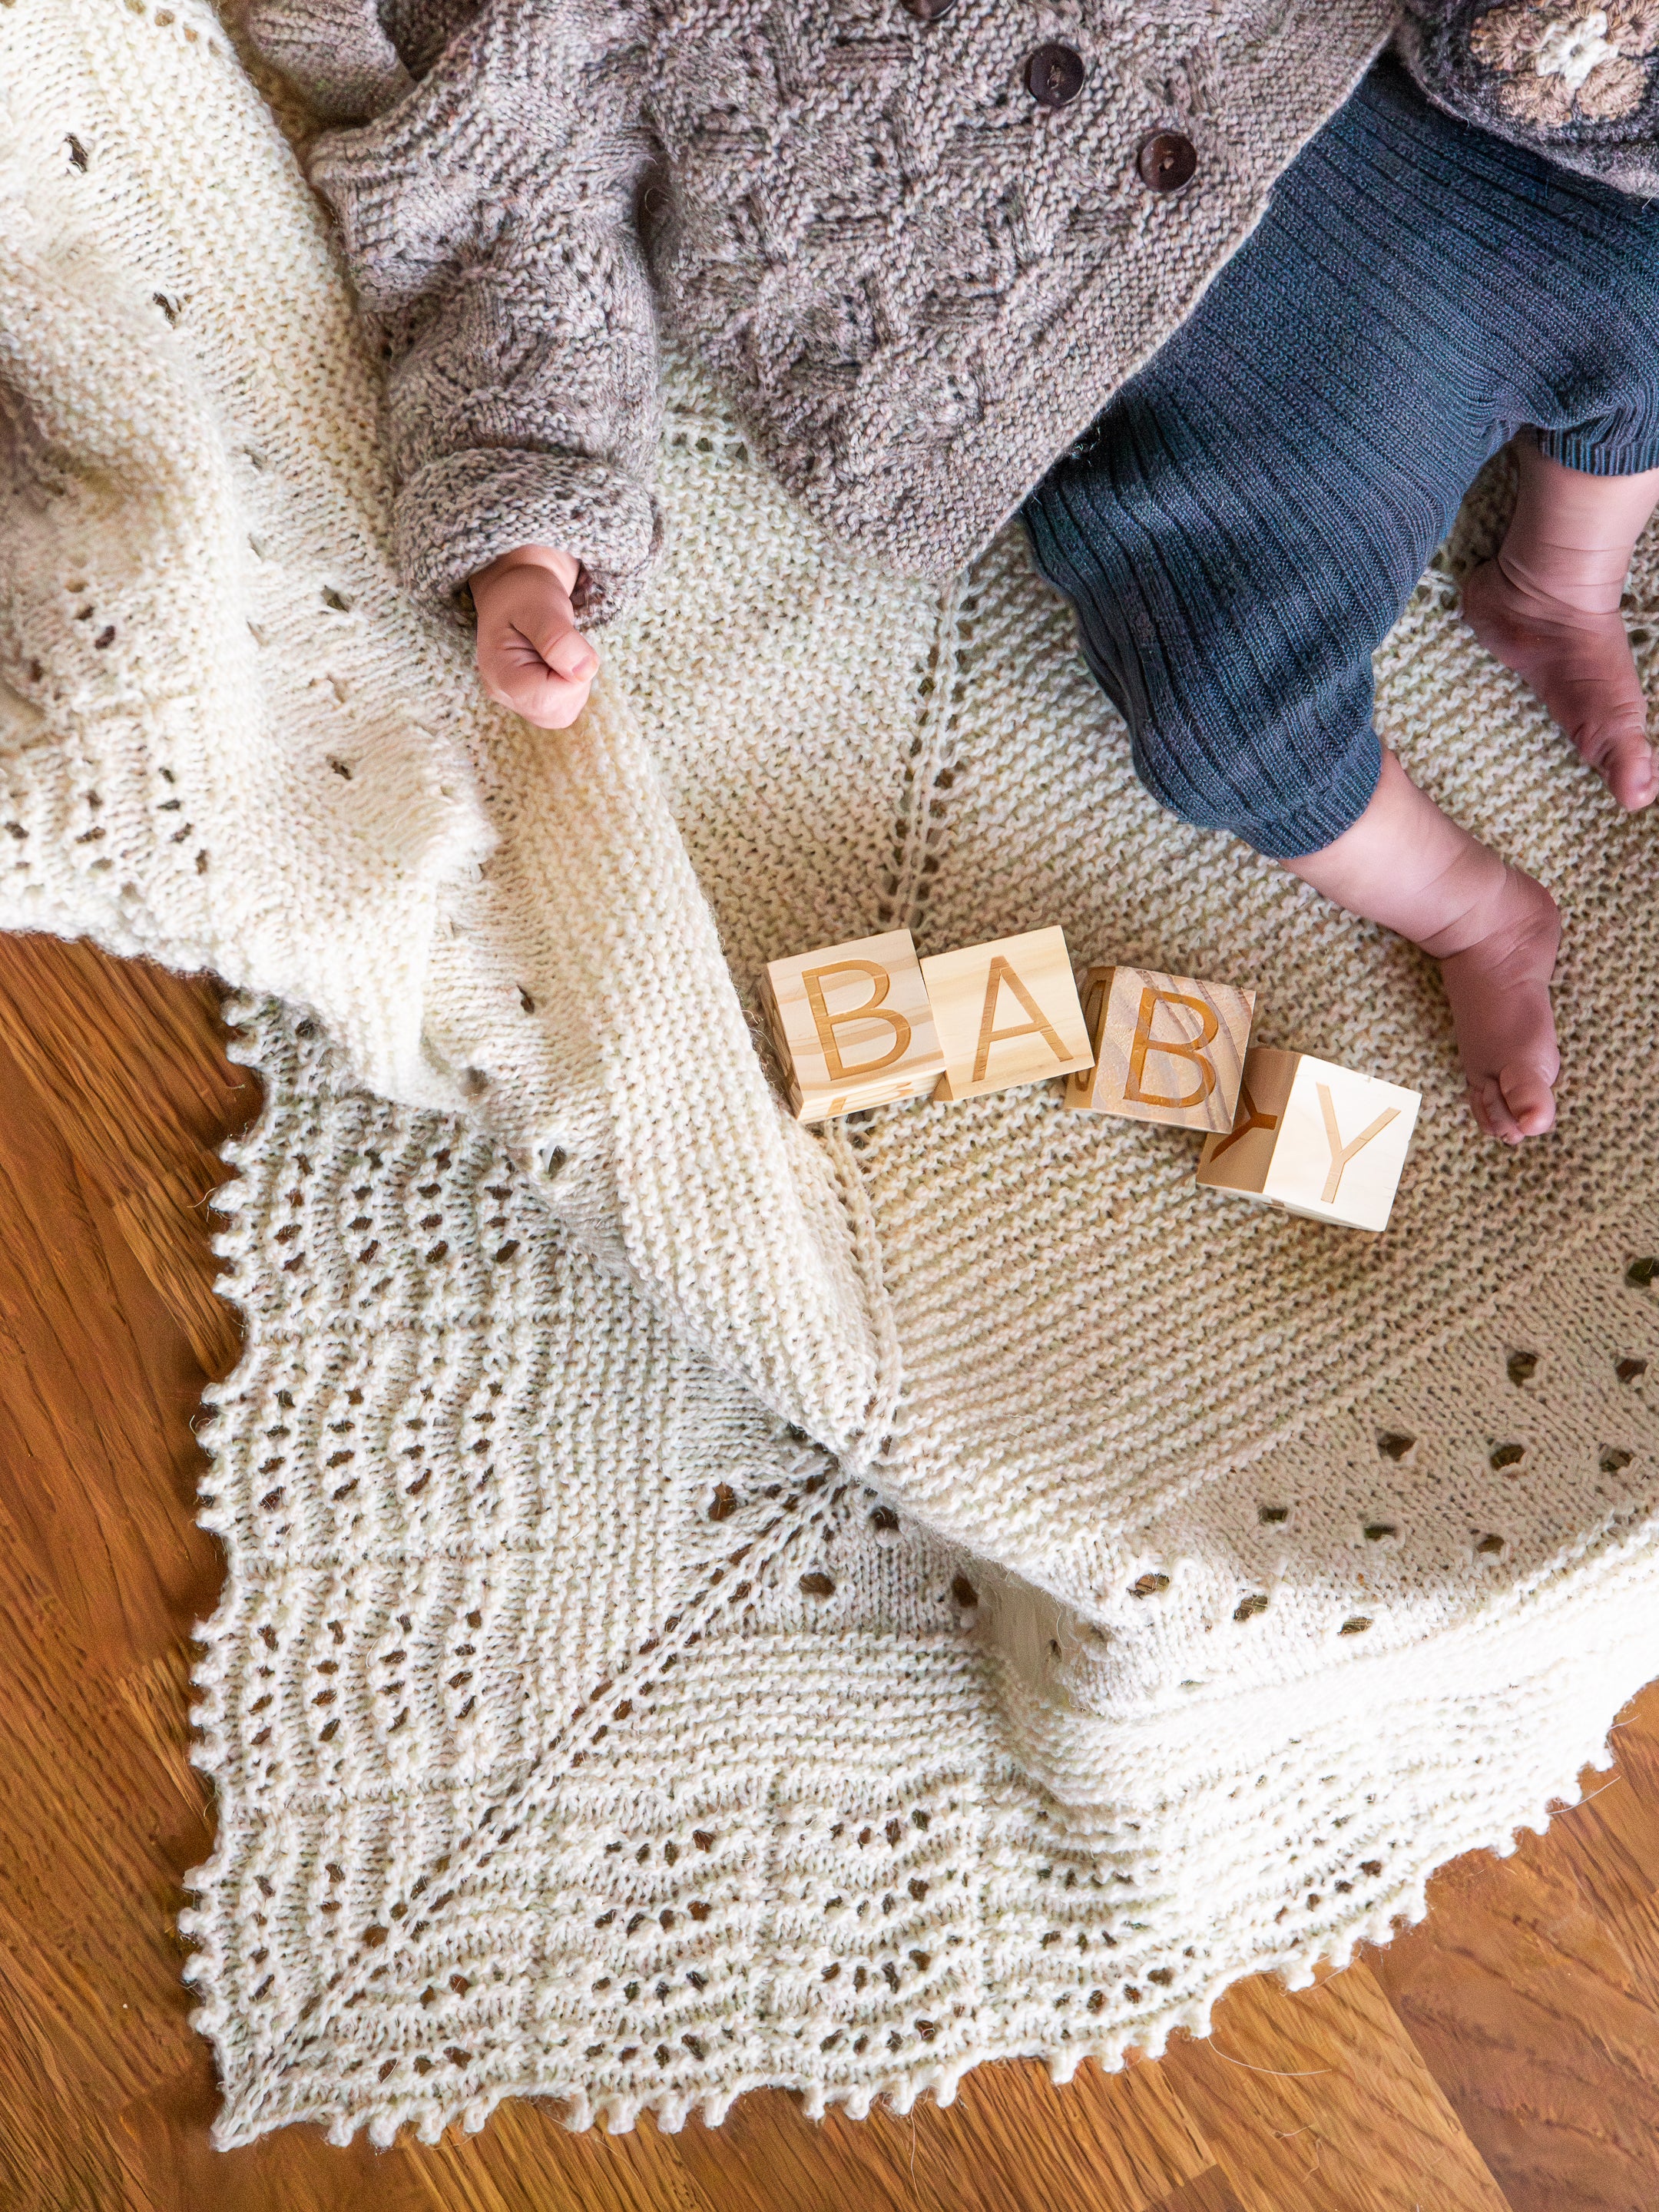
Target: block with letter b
pixel 1317 1139
pixel 1006 1013
pixel 1167 1048
pixel 853 1026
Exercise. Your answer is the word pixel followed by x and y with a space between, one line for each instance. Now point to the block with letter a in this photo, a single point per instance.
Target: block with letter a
pixel 853 1026
pixel 1318 1140
pixel 1006 1013
pixel 1167 1048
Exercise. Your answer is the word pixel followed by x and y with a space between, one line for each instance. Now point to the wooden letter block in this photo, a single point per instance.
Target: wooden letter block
pixel 1315 1139
pixel 1006 1013
pixel 853 1026
pixel 1167 1048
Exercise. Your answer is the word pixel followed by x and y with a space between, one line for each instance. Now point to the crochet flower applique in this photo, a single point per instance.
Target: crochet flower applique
pixel 1560 66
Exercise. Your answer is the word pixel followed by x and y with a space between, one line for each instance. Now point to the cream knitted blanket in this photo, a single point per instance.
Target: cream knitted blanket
pixel 710 1603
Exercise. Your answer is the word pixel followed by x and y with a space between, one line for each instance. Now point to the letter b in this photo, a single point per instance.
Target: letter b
pixel 874 1009
pixel 1174 1048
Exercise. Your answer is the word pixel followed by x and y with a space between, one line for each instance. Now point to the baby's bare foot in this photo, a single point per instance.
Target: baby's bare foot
pixel 1493 930
pixel 1498 983
pixel 1579 664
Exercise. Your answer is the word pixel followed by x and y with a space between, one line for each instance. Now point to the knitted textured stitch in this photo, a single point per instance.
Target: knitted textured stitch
pixel 966 1462
pixel 923 281
pixel 579 1730
pixel 1241 526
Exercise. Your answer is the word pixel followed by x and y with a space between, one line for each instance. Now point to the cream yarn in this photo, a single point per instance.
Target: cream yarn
pixel 1008 1508
pixel 579 1730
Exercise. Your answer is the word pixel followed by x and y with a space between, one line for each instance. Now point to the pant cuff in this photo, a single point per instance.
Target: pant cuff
pixel 1312 819
pixel 1596 457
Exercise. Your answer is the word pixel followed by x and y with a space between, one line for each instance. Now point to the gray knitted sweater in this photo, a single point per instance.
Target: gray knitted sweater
pixel 922 241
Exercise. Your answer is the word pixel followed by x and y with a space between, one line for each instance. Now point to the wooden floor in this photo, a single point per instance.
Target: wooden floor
pixel 1506 2052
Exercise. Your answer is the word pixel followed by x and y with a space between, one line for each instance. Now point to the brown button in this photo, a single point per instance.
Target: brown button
pixel 1054 75
pixel 1167 161
pixel 929 11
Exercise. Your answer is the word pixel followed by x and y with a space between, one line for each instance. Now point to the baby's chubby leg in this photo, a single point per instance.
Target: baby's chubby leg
pixel 1493 930
pixel 1548 608
pixel 1247 516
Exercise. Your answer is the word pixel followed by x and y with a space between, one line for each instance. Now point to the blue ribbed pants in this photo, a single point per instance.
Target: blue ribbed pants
pixel 1241 527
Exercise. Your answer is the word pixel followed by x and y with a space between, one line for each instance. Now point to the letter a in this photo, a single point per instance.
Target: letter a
pixel 1341 1154
pixel 825 1023
pixel 1039 1025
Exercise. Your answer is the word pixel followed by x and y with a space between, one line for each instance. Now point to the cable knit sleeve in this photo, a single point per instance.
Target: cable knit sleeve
pixel 488 220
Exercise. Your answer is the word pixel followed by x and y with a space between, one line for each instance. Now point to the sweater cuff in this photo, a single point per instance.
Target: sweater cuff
pixel 335 51
pixel 456 516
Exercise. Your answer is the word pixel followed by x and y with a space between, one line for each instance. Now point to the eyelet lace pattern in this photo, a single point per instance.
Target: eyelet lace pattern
pixel 708 1604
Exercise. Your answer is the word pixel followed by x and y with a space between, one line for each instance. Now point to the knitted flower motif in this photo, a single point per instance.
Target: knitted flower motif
pixel 1569 66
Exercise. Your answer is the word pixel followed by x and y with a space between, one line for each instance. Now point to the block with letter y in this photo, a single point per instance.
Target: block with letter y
pixel 1167 1048
pixel 853 1026
pixel 1007 1012
pixel 1317 1139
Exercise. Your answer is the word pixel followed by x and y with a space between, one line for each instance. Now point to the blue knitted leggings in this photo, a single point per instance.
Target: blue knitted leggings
pixel 1242 525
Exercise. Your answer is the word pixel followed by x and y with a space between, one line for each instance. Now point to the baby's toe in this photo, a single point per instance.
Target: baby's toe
pixel 1529 1098
pixel 1615 742
pixel 1492 1115
pixel 1632 775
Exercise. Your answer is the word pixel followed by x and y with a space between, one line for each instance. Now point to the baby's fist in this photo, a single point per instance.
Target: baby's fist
pixel 531 656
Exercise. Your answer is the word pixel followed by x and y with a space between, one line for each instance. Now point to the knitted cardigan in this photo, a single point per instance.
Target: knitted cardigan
pixel 920 281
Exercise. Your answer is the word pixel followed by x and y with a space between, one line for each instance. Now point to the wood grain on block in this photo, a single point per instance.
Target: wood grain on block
pixel 853 1026
pixel 1167 1048
pixel 1315 1139
pixel 1006 1013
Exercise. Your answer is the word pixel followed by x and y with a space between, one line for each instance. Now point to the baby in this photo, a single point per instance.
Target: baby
pixel 1547 607
pixel 926 239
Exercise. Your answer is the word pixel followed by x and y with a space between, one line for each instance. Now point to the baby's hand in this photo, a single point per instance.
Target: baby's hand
pixel 531 656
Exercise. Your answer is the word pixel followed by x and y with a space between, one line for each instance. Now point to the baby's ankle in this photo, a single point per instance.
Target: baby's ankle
pixel 1573 533
pixel 1485 901
pixel 1564 579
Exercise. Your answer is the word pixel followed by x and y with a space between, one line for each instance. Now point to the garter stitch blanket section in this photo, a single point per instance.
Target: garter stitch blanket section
pixel 712 1603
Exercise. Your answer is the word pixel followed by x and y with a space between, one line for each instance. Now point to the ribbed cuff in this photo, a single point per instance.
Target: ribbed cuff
pixel 1596 455
pixel 457 515
pixel 335 51
pixel 1317 818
